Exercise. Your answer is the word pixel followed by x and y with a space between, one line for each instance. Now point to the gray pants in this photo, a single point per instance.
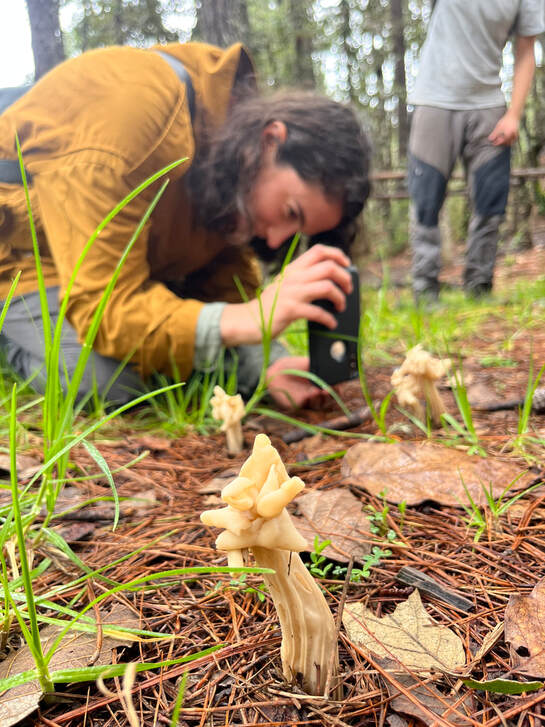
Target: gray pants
pixel 438 138
pixel 22 340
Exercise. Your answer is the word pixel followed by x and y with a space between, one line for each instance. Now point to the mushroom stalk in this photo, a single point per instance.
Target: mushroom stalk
pixel 309 635
pixel 433 400
pixel 234 438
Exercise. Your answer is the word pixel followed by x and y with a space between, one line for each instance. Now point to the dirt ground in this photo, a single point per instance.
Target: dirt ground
pixel 242 684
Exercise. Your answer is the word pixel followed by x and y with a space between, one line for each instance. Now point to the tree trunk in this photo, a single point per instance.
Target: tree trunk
pixel 222 22
pixel 118 22
pixel 47 45
pixel 300 22
pixel 348 49
pixel 400 87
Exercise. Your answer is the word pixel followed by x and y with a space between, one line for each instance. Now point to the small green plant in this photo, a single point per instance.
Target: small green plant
pixel 380 415
pixel 188 406
pixel 467 433
pixel 498 361
pixel 239 584
pixel 519 443
pixel 378 520
pixel 477 516
pixel 402 507
pixel 319 565
pixel 368 561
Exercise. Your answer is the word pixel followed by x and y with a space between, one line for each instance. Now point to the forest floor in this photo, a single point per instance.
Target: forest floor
pixel 483 560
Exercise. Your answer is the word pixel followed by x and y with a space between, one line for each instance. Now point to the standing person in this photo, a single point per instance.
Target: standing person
pixel 460 112
pixel 265 168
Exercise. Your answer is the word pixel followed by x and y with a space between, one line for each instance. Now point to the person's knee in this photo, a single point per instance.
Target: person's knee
pixel 491 185
pixel 427 188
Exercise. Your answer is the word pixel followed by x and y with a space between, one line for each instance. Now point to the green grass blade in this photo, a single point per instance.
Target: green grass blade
pixel 174 720
pixel 101 462
pixel 34 642
pixel 314 428
pixel 8 298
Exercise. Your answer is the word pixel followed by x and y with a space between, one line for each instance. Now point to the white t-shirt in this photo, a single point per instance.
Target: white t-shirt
pixel 461 58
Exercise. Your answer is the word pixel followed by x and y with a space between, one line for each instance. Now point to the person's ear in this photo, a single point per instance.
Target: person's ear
pixel 275 133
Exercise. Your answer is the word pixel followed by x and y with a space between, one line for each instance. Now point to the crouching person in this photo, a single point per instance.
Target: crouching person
pixel 257 170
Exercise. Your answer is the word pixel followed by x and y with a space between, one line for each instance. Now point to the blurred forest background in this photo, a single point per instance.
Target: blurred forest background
pixel 364 52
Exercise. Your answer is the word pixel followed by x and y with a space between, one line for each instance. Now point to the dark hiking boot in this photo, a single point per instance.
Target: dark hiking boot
pixel 477 290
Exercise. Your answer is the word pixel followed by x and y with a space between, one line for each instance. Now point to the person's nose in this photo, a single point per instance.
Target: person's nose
pixel 279 234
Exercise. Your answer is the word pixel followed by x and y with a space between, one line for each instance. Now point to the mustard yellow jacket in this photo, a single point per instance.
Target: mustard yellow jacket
pixel 91 130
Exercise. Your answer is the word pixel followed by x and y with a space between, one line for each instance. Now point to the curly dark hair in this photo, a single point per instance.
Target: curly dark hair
pixel 325 144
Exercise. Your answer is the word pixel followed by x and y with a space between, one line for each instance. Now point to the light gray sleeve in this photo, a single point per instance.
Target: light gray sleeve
pixel 531 18
pixel 208 337
pixel 208 346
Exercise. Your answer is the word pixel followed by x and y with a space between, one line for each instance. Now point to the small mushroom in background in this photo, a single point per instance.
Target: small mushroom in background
pixel 416 379
pixel 230 410
pixel 255 518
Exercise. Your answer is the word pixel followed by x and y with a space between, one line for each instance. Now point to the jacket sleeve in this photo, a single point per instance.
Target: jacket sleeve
pixel 142 316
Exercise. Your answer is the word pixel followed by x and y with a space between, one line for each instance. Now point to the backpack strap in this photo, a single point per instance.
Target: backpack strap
pixel 10 171
pixel 184 77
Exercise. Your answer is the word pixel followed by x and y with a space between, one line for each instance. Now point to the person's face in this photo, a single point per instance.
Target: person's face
pixel 282 204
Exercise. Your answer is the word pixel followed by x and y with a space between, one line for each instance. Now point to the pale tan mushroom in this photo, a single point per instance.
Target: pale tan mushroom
pixel 416 379
pixel 255 518
pixel 230 410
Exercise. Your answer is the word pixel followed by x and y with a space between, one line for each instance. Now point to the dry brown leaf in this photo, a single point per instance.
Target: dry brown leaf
pixel 75 651
pixel 335 515
pixel 447 707
pixel 412 473
pixel 408 635
pixel 75 531
pixel 489 641
pixel 394 720
pixel 137 505
pixel 316 446
pixel 27 466
pixel 212 501
pixel 525 631
pixel 156 444
pixel 479 395
pixel 280 714
pixel 217 483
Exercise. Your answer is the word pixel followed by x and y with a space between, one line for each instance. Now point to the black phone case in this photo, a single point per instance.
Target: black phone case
pixel 334 353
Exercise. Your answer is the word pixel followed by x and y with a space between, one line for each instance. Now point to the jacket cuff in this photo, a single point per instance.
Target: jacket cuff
pixel 208 337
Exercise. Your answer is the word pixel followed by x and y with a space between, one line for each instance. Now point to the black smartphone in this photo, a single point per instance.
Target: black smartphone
pixel 334 353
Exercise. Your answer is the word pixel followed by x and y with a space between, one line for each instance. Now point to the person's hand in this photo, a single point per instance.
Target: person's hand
pixel 290 391
pixel 506 130
pixel 319 273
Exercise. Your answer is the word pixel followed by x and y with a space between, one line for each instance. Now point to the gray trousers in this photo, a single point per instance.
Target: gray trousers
pixel 22 339
pixel 438 138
